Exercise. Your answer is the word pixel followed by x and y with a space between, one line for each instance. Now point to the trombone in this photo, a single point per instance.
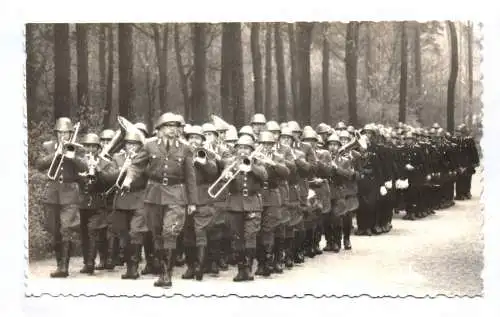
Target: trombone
pixel 230 172
pixel 118 185
pixel 62 149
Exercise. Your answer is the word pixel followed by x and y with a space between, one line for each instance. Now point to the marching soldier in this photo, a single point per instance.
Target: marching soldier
pixel 171 187
pixel 128 218
pixel 271 197
pixel 470 161
pixel 62 194
pixel 93 219
pixel 244 204
pixel 258 123
pixel 198 223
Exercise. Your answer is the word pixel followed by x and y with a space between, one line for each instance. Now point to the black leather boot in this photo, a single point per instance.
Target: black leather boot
pixel 249 257
pixel 133 258
pixel 167 259
pixel 213 258
pixel 200 262
pixel 316 240
pixel 240 277
pixel 261 261
pixel 190 263
pixel 91 255
pixel 62 269
pixel 102 250
pixel 337 236
pixel 110 261
pixel 289 253
pixel 278 256
pixel 150 267
pixel 298 247
pixel 268 260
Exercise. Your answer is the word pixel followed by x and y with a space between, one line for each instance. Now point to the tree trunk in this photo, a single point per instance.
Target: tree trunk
pixel 280 73
pixel 199 86
pixel 269 72
pixel 418 71
pixel 32 75
pixel 257 67
pixel 125 68
pixel 82 86
pixel 403 81
pixel 326 76
pixel 304 38
pixel 450 104
pixel 109 89
pixel 183 77
pixel 62 64
pixel 161 49
pixel 237 76
pixel 102 62
pixel 293 70
pixel 470 71
pixel 225 74
pixel 351 69
pixel 369 61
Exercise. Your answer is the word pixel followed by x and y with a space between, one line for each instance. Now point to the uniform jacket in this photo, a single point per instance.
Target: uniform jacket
pixel 244 190
pixel 284 186
pixel 65 189
pixel 206 174
pixel 371 176
pixel 171 173
pixel 133 199
pixel 271 195
pixel 92 191
pixel 306 170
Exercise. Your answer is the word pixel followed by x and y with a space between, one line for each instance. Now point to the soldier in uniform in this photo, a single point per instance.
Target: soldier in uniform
pixel 128 216
pixel 470 161
pixel 93 221
pixel 198 223
pixel 171 187
pixel 244 204
pixel 271 197
pixel 62 195
pixel 258 123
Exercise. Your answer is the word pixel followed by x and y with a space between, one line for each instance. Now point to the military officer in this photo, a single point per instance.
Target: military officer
pixel 171 187
pixel 62 194
pixel 244 204
pixel 198 223
pixel 93 221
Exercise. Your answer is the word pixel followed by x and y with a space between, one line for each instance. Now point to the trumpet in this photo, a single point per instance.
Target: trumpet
pixel 239 165
pixel 62 149
pixel 92 165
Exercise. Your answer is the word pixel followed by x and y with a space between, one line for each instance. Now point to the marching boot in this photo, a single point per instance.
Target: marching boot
pixel 249 256
pixel 289 253
pixel 278 256
pixel 214 259
pixel 102 250
pixel 337 236
pixel 133 258
pixel 167 259
pixel 110 261
pixel 308 244
pixel 91 255
pixel 150 267
pixel 179 252
pixel 240 277
pixel 261 261
pixel 328 238
pixel 298 247
pixel 122 249
pixel 199 264
pixel 62 269
pixel 59 259
pixel 225 252
pixel 316 241
pixel 346 232
pixel 268 260
pixel 190 262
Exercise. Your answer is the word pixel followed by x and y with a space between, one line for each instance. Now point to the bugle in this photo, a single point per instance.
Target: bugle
pixel 62 149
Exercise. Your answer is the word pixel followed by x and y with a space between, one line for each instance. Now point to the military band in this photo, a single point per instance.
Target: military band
pixel 215 196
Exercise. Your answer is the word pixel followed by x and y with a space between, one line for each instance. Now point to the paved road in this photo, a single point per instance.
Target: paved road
pixel 440 254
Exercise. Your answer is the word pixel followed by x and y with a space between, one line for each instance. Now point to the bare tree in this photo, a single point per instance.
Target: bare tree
pixel 102 62
pixel 450 104
pixel 417 50
pixel 280 73
pixel 268 71
pixel 304 39
pixel 237 76
pixel 403 81
pixel 125 69
pixel 470 71
pixel 160 34
pixel 199 107
pixel 351 69
pixel 62 63
pixel 82 85
pixel 182 75
pixel 293 69
pixel 326 75
pixel 369 60
pixel 109 87
pixel 257 67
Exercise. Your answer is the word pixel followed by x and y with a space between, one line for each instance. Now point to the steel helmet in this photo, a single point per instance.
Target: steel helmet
pixel 294 126
pixel 246 129
pixel 194 130
pixel 91 138
pixel 266 137
pixel 134 136
pixel 245 140
pixel 208 127
pixel 333 138
pixel 286 132
pixel 323 128
pixel 309 134
pixel 107 134
pixel 231 135
pixel 258 118
pixel 167 118
pixel 272 126
pixel 344 134
pixel 63 124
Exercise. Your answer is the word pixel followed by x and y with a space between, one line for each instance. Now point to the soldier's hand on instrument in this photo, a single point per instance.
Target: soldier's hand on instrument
pixel 428 177
pixel 383 190
pixel 409 167
pixel 228 175
pixel 191 209
pixel 388 184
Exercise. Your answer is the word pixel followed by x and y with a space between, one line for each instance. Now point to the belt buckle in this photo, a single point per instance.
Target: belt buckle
pixel 245 192
pixel 266 185
pixel 164 181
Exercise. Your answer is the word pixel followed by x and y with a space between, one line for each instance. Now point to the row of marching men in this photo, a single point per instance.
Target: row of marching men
pixel 268 193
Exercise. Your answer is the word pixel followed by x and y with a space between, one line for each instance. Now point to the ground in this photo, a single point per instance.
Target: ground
pixel 440 254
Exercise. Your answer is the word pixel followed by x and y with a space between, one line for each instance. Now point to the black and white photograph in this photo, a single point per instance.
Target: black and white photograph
pixel 255 158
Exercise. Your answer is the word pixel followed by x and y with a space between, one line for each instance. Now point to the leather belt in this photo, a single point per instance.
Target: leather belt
pixel 166 181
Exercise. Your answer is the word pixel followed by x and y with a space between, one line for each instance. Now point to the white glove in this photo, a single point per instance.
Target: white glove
pixel 428 177
pixel 406 184
pixel 228 175
pixel 70 154
pixel 383 191
pixel 202 161
pixel 388 184
pixel 409 167
pixel 311 194
pixel 398 183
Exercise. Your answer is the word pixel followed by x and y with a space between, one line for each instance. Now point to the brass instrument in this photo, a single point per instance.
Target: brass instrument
pixel 91 165
pixel 118 185
pixel 118 139
pixel 356 143
pixel 62 149
pixel 239 165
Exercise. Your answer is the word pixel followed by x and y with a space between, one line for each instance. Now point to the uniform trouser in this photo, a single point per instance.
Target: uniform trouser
pixel 220 234
pixel 244 227
pixel 463 184
pixel 385 208
pixel 93 225
pixel 341 227
pixel 166 223
pixel 197 226
pixel 62 221
pixel 270 220
pixel 130 224
pixel 365 216
pixel 412 199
